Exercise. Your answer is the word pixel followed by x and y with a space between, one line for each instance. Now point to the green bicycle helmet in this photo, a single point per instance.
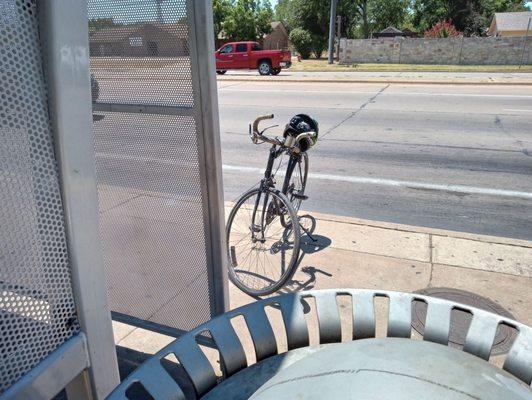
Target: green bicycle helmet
pixel 302 123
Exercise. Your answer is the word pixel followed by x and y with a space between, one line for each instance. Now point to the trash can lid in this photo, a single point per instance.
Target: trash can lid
pixel 392 368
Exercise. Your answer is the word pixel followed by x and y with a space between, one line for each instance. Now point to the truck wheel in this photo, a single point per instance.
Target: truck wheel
pixel 221 71
pixel 265 68
pixel 276 71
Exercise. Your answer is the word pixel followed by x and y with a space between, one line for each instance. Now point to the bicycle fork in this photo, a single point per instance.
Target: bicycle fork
pixel 294 159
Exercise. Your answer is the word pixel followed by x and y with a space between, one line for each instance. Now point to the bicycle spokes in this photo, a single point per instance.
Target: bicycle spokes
pixel 261 246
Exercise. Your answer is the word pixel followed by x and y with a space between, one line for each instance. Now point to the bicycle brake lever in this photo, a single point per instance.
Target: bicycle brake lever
pixel 268 127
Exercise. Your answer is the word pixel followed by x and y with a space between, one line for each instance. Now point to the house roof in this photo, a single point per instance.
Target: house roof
pixel 391 29
pixel 113 34
pixel 512 21
pixel 121 32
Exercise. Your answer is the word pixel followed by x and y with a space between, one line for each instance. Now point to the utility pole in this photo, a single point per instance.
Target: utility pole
pixel 338 34
pixel 332 19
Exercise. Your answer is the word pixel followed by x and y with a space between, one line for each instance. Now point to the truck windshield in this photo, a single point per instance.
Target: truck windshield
pixel 256 47
pixel 226 49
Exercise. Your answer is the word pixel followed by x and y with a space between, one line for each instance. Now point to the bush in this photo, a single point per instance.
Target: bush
pixel 442 29
pixel 302 42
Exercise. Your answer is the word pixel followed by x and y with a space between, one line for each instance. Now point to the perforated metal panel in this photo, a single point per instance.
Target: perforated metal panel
pixel 37 312
pixel 150 163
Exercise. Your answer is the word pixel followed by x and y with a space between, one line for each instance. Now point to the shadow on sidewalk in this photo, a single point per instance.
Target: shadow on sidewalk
pixel 309 243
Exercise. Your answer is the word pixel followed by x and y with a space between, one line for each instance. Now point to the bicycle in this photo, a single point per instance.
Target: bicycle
pixel 263 229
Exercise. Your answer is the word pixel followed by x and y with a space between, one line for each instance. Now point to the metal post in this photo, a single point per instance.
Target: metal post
pixel 65 47
pixel 525 43
pixel 204 81
pixel 332 18
pixel 338 34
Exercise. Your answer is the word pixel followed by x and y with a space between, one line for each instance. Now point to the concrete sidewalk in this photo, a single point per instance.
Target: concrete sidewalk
pixel 358 253
pixel 415 77
pixel 370 254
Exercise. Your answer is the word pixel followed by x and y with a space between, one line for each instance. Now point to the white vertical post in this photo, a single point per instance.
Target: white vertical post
pixel 64 35
pixel 204 76
pixel 525 43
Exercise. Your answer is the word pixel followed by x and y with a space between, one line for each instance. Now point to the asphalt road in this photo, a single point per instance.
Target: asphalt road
pixel 443 156
pixel 450 157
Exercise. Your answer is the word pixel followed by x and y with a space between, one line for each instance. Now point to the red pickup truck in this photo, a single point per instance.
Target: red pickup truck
pixel 249 55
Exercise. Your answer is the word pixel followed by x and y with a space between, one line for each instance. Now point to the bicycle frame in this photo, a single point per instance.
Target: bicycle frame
pixel 267 182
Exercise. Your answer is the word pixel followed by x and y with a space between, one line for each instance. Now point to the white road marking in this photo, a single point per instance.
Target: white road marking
pixel 516 110
pixel 506 96
pixel 395 183
pixel 388 93
pixel 345 178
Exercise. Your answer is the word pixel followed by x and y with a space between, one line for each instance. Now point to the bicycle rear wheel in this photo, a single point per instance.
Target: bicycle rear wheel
pixel 262 252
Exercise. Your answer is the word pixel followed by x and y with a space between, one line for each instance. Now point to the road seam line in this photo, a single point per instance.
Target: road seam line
pixel 353 114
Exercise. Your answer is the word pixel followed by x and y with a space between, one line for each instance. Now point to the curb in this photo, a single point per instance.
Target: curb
pixel 377 80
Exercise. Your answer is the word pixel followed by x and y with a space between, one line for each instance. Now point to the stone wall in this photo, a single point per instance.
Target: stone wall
pixel 456 50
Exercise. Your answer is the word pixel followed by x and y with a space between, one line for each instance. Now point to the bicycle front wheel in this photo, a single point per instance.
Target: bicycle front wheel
pixel 262 251
pixel 298 182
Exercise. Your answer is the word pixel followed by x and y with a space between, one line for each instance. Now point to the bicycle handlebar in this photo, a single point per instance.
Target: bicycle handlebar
pixel 258 135
pixel 261 118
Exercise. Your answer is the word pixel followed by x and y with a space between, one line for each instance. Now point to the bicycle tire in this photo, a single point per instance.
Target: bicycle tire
pixel 274 283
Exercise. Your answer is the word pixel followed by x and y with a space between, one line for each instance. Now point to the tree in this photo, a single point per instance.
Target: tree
pixel 385 13
pixel 363 10
pixel 302 42
pixel 472 17
pixel 248 20
pixel 220 11
pixel 361 17
pixel 282 10
pixel 310 16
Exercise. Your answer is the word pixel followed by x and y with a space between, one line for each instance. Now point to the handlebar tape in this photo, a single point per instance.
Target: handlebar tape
pixel 261 118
